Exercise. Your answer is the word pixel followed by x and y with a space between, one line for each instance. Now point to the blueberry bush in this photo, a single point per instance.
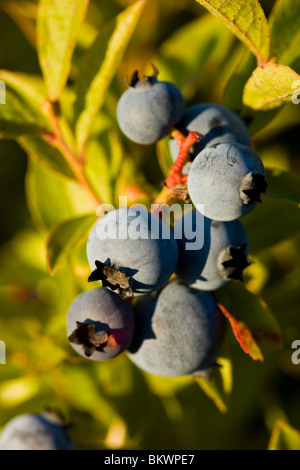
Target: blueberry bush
pixel 198 359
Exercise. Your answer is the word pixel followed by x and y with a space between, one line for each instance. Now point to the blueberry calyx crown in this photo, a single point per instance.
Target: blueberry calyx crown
pixel 113 278
pixel 92 338
pixel 252 187
pixel 135 79
pixel 235 263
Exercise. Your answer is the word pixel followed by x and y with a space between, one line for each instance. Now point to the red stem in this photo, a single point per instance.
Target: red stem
pixel 175 178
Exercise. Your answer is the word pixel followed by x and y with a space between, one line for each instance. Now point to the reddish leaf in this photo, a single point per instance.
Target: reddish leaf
pixel 253 324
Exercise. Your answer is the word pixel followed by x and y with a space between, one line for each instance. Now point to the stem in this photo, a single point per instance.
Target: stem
pixel 175 178
pixel 175 184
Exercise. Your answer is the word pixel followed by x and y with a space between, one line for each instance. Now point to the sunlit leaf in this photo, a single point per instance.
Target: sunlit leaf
pixel 53 198
pixel 28 87
pixel 284 29
pixel 16 118
pixel 22 112
pixel 98 68
pixel 64 237
pixel 14 392
pixel 218 388
pixel 58 25
pixel 284 437
pixel 233 96
pixel 44 153
pixel 271 86
pixel 104 155
pixel 253 324
pixel 246 19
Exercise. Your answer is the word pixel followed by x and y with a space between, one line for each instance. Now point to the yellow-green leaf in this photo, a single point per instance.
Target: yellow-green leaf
pixel 45 154
pixel 64 237
pixel 16 118
pixel 284 437
pixel 29 87
pixel 219 386
pixel 246 19
pixel 271 86
pixel 58 24
pixel 21 114
pixel 52 198
pixel 98 68
pixel 285 33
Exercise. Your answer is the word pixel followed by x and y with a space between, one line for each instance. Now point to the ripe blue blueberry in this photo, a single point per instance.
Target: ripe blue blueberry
pixel 100 324
pixel 228 179
pixel 44 431
pixel 132 251
pixel 216 123
pixel 222 257
pixel 177 332
pixel 148 109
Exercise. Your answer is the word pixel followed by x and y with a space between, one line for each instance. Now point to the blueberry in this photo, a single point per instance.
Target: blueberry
pixel 100 324
pixel 228 179
pixel 132 250
pixel 148 109
pixel 177 332
pixel 222 257
pixel 36 432
pixel 218 125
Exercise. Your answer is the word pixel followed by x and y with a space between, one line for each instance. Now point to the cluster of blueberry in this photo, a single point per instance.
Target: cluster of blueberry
pixel 175 327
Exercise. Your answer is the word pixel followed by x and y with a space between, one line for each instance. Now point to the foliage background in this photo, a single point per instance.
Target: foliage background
pixel 115 405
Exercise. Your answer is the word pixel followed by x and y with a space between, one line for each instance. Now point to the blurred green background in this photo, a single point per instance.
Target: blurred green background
pixel 114 405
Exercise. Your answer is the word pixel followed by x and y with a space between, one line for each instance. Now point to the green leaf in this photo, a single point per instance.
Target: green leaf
pixel 99 66
pixel 233 94
pixel 265 225
pixel 64 237
pixel 22 112
pixel 16 118
pixel 284 437
pixel 253 324
pixel 284 29
pixel 262 119
pixel 246 19
pixel 52 198
pixel 219 386
pixel 271 86
pixel 29 87
pixel 206 50
pixel 58 24
pixel 284 185
pixel 104 158
pixel 45 154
